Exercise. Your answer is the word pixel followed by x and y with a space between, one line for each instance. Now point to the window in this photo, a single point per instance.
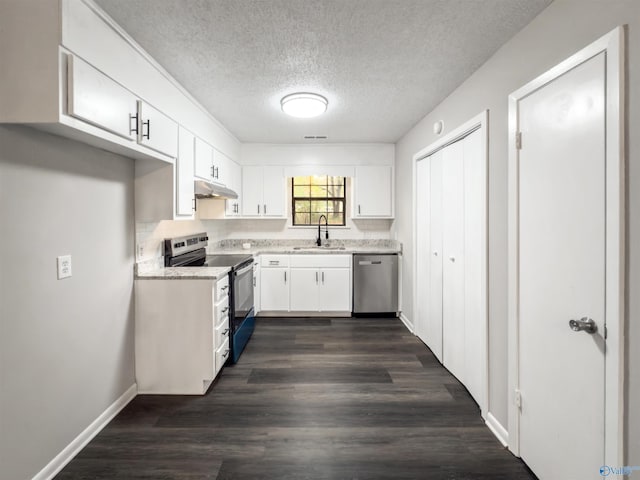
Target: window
pixel 318 195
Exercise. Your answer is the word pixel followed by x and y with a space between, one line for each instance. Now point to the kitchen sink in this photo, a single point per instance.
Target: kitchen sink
pixel 319 248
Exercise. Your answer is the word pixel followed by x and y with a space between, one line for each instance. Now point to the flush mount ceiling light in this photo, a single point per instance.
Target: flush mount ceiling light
pixel 304 105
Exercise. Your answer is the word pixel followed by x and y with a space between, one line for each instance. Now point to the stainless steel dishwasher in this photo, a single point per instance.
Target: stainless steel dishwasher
pixel 375 283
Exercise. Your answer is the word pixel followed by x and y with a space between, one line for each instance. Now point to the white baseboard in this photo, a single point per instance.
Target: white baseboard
pixel 498 430
pixel 78 443
pixel 407 323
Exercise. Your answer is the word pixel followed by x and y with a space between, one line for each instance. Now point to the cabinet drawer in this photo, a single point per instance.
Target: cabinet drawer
pixel 222 353
pixel 274 261
pixel 222 288
pixel 327 260
pixel 221 310
pixel 222 332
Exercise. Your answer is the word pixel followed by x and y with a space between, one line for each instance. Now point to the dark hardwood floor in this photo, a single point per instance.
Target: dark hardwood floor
pixel 311 398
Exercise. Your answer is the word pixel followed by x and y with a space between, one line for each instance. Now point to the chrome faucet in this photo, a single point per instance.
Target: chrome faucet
pixel 326 230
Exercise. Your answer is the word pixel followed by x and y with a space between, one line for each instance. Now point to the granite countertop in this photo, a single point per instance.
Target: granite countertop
pixel 289 250
pixel 154 269
pixel 184 273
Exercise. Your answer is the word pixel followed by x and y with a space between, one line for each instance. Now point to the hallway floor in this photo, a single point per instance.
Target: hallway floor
pixel 311 398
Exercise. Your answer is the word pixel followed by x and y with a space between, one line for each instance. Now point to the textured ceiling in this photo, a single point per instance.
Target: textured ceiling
pixel 383 64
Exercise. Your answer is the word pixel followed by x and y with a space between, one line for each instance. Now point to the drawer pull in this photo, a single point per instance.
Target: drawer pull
pixel 225 309
pixel 274 262
pixel 224 288
pixel 225 354
pixel 225 332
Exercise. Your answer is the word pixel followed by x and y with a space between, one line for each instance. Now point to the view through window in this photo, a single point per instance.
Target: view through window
pixel 314 196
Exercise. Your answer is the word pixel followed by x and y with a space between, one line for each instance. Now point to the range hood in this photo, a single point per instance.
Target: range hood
pixel 204 189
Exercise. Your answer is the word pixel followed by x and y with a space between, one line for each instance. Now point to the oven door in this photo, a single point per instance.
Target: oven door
pixel 243 292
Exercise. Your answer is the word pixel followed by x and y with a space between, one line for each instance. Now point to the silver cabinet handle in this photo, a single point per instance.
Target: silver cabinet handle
pixel 358 209
pixel 133 129
pixel 225 309
pixel 213 171
pixel 265 209
pixel 435 254
pixel 225 354
pixel 585 324
pixel 224 288
pixel 274 262
pixel 285 276
pixel 258 209
pixel 148 124
pixel 453 259
pixel 254 281
pixel 225 332
pixel 323 278
pixel 316 277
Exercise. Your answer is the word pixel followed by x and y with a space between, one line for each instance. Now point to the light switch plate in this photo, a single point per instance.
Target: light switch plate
pixel 64 266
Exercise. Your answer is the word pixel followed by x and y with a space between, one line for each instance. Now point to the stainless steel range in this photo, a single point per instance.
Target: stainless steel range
pixel 190 251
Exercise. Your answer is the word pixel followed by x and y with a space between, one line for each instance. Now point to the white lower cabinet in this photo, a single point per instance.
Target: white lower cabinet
pixel 181 334
pixel 274 288
pixel 335 289
pixel 306 283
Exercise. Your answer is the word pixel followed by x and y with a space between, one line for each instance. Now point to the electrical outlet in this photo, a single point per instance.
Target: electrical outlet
pixel 64 266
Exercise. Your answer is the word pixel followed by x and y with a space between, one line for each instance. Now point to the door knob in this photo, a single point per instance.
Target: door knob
pixel 583 325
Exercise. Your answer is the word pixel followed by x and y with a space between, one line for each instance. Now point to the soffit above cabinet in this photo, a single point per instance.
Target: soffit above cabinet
pixel 383 64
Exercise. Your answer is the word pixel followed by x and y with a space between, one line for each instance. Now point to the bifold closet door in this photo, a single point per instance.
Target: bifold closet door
pixel 422 247
pixel 435 255
pixel 453 261
pixel 474 243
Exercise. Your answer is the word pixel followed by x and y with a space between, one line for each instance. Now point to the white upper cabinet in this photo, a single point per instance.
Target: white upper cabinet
pixel 234 182
pixel 203 160
pixel 185 198
pixel 81 77
pixel 156 130
pixel 220 167
pixel 373 192
pixel 263 191
pixel 98 100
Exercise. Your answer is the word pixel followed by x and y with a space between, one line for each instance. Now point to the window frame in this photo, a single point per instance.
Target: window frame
pixel 342 199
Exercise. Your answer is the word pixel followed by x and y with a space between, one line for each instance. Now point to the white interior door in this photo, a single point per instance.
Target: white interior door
pixel 435 255
pixel 453 294
pixel 562 273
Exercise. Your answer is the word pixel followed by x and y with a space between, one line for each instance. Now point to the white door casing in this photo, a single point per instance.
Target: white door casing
pixel 566 261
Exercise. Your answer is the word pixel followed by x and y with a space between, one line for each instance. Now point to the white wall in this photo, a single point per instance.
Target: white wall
pixel 559 31
pixel 66 346
pixel 317 154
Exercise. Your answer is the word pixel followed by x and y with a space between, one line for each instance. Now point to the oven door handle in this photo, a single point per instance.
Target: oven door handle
pixel 244 270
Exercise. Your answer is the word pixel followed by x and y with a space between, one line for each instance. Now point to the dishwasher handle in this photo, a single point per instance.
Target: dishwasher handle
pixel 369 262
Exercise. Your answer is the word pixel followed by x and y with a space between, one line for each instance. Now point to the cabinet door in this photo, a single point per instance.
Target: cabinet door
pixel 373 191
pixel 156 130
pixel 453 293
pixel 252 191
pixel 335 290
pixel 96 99
pixel 304 290
pixel 274 289
pixel 220 168
pixel 274 192
pixel 203 167
pixel 184 174
pixel 234 182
